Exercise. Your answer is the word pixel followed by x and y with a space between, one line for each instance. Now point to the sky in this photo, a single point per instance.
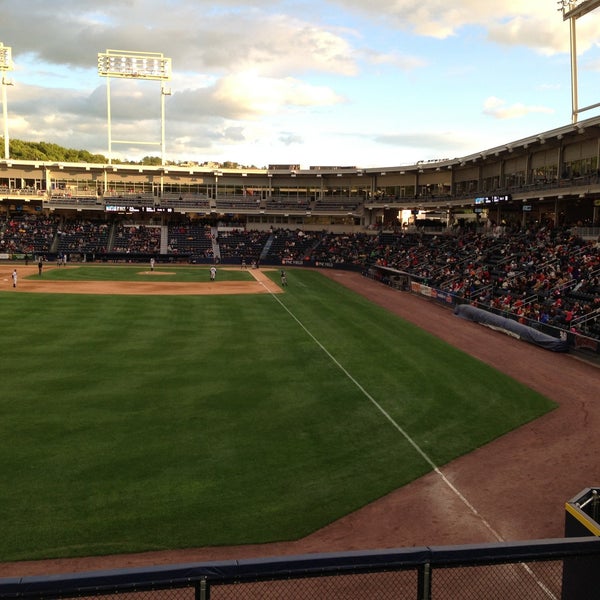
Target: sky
pixel 312 82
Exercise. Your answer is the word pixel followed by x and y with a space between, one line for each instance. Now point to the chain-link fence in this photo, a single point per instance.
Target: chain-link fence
pixel 562 569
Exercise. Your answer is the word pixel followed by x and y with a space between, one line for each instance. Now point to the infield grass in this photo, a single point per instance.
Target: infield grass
pixel 133 423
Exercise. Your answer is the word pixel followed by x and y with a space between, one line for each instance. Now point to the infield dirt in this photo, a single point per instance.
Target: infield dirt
pixel 30 281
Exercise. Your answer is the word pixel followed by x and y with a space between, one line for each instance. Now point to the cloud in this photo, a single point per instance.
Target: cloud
pixel 548 87
pixel 404 62
pixel 534 24
pixel 248 95
pixel 273 45
pixel 254 95
pixel 289 139
pixel 591 65
pixel 197 35
pixel 59 112
pixel 230 61
pixel 419 141
pixel 497 108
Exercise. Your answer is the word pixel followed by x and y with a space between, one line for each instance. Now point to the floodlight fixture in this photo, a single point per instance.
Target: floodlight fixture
pixel 136 65
pixel 577 8
pixel 571 11
pixel 5 57
pixel 6 65
pixel 124 64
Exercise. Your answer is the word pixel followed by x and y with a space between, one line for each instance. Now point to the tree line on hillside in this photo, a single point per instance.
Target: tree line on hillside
pixel 46 151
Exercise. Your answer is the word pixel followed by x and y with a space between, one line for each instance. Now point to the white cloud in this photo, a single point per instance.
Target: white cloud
pixel 548 87
pixel 289 139
pixel 499 109
pixel 591 65
pixel 251 95
pixel 416 140
pixel 199 35
pixel 535 24
pixel 404 62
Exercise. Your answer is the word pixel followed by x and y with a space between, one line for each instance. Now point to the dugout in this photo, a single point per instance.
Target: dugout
pixel 581 577
pixel 399 280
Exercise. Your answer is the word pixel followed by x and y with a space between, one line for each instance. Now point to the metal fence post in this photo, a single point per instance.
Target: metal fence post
pixel 424 582
pixel 202 590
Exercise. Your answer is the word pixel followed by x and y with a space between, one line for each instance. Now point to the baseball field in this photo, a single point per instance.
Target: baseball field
pixel 159 410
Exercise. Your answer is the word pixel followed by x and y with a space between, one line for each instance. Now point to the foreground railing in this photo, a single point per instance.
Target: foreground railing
pixel 546 569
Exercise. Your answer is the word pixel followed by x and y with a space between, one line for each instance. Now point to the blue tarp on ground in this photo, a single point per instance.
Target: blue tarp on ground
pixel 523 332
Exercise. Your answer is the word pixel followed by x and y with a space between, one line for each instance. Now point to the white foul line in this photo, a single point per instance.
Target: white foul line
pixel 407 437
pixel 380 408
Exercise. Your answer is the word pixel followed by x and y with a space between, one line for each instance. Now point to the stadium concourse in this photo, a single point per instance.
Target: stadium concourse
pixel 518 483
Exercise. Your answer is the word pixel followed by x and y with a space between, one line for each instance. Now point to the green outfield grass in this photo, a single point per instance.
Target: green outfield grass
pixel 133 423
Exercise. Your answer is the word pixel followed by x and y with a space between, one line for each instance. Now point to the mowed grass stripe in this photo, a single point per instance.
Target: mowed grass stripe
pixel 141 423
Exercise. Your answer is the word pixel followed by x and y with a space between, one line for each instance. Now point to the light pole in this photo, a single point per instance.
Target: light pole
pixel 5 66
pixel 571 11
pixel 124 64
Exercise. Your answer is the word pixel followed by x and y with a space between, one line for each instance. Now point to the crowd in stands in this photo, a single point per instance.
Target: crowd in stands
pixel 27 233
pixel 241 244
pixel 289 247
pixel 138 239
pixel 540 274
pixel 82 236
pixel 190 239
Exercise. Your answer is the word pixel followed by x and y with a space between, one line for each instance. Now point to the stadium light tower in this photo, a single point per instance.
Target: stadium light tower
pixel 5 66
pixel 572 10
pixel 124 64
